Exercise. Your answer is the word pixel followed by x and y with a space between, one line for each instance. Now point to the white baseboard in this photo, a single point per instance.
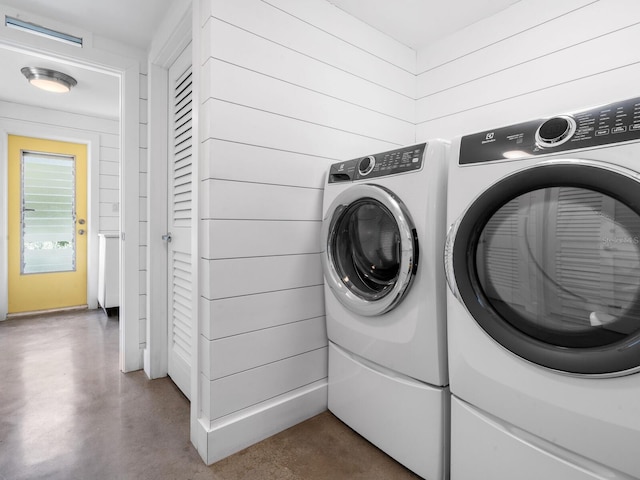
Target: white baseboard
pixel 240 430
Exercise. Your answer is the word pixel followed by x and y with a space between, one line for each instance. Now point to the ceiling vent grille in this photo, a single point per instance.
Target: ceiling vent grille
pixel 42 31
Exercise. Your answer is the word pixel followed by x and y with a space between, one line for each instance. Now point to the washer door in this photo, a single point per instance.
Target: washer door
pixel 371 249
pixel 547 261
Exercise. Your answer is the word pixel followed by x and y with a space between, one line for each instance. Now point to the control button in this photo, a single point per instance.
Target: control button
pixel 634 127
pixel 366 165
pixel 621 129
pixel 555 131
pixel 602 131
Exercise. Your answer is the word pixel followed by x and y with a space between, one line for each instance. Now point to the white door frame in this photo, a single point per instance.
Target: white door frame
pixel 165 50
pixel 173 37
pixel 127 68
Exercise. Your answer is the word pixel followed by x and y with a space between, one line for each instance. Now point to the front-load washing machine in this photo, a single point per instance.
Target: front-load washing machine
pixel 543 265
pixel 383 233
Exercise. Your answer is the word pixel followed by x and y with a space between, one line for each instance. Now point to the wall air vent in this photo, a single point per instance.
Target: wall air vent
pixel 42 31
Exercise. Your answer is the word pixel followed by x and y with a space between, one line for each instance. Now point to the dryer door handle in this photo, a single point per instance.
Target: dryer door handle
pixel 448 259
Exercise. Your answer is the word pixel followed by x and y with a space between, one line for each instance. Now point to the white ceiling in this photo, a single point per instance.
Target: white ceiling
pixel 414 23
pixel 96 94
pixel 132 22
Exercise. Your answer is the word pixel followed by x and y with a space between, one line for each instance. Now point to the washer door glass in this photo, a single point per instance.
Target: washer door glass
pixel 367 248
pixel 371 249
pixel 554 272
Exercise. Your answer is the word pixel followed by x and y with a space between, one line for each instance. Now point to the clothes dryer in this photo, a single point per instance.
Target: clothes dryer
pixel 382 238
pixel 543 265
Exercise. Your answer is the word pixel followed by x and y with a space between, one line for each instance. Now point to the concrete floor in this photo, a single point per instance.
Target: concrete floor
pixel 66 412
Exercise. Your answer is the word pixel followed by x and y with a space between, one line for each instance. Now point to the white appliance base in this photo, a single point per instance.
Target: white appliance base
pixel 407 419
pixel 485 447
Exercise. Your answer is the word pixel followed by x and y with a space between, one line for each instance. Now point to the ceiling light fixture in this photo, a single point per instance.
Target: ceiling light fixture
pixel 49 80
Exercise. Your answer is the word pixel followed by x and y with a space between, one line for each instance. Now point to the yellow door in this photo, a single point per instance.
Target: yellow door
pixel 47 201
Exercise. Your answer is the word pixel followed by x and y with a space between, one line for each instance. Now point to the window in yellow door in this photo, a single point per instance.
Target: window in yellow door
pixel 47 224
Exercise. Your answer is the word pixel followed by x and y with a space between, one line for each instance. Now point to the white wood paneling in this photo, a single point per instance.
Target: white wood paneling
pixel 143 160
pixel 224 160
pixel 278 26
pixel 601 88
pixel 109 182
pixel 545 72
pixel 257 201
pixel 546 40
pixel 235 45
pixel 287 88
pixel 246 276
pixel 237 238
pixel 245 389
pixel 237 85
pixel 109 195
pixel 231 355
pixel 326 17
pixel 243 124
pixel 109 168
pixel 234 316
pixel 519 17
pixel 570 58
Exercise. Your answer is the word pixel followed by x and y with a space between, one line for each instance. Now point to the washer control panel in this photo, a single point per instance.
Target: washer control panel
pixel 402 160
pixel 613 123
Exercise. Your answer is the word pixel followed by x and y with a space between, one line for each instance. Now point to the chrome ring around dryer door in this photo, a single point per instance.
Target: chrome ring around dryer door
pixel 370 247
pixel 547 262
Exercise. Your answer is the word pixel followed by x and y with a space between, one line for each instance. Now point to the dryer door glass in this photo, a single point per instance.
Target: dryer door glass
pixel 547 261
pixel 562 264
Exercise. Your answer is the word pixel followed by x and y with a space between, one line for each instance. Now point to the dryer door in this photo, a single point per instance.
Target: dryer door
pixel 547 261
pixel 371 249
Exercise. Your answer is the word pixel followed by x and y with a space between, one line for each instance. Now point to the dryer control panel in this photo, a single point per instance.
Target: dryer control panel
pixel 613 123
pixel 402 160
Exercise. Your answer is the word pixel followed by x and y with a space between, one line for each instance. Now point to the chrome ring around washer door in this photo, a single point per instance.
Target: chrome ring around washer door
pixel 448 259
pixel 408 249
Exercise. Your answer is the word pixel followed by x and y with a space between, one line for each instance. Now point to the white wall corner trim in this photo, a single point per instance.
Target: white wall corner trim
pixel 131 357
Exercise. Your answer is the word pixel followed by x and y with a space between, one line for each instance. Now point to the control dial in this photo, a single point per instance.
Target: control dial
pixel 555 131
pixel 366 165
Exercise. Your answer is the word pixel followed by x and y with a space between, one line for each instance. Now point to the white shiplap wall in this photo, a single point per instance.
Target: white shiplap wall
pixel 534 59
pixel 286 88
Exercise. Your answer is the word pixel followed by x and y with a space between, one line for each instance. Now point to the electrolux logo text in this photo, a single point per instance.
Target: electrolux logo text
pixel 489 138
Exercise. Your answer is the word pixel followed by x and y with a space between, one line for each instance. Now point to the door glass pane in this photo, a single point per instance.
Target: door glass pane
pixel 367 246
pixel 48 213
pixel 562 264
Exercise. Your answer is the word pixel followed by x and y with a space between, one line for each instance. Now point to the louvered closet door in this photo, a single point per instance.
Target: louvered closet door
pixel 180 294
